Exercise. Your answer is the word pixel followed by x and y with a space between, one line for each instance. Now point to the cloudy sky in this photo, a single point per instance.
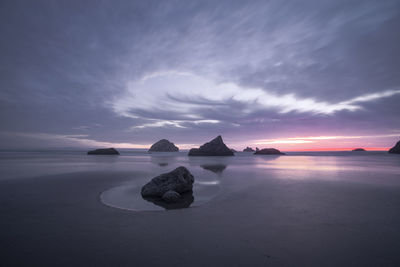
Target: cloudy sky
pixel 306 74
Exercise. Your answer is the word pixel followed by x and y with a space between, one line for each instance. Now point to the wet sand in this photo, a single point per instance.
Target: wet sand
pixel 58 220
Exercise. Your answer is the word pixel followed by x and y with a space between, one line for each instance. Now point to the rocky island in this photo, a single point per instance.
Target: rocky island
pixel 215 147
pixel 359 150
pixel 268 151
pixel 248 149
pixel 163 146
pixel 169 186
pixel 104 151
pixel 395 149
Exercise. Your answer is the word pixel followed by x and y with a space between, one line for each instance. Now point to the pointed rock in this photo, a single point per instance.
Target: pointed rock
pixel 248 149
pixel 395 149
pixel 215 147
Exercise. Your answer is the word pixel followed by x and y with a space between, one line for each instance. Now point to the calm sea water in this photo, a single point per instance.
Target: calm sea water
pixel 19 164
pixel 210 173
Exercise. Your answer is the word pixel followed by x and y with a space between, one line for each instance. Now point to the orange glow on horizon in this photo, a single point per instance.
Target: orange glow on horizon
pixel 379 142
pixel 337 149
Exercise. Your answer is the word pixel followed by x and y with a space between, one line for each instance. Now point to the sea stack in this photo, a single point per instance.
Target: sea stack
pixel 359 150
pixel 248 149
pixel 268 151
pixel 163 146
pixel 215 147
pixel 104 151
pixel 395 149
pixel 169 186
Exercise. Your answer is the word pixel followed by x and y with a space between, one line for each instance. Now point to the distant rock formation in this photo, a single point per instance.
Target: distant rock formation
pixel 169 186
pixel 359 150
pixel 163 146
pixel 215 147
pixel 268 151
pixel 395 149
pixel 104 151
pixel 257 149
pixel 248 149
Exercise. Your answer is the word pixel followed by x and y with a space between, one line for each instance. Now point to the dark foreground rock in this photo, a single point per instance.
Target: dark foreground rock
pixel 164 186
pixel 215 147
pixel 358 150
pixel 268 151
pixel 104 151
pixel 163 146
pixel 171 196
pixel 395 149
pixel 170 202
pixel 248 149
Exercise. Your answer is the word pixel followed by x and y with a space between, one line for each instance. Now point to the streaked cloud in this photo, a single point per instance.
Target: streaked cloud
pixel 175 98
pixel 271 142
pixel 83 140
pixel 172 123
pixel 371 97
pixel 344 137
pixel 321 140
pixel 76 140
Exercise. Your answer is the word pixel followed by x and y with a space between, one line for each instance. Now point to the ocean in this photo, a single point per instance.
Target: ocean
pixel 369 167
pixel 210 173
pixel 66 208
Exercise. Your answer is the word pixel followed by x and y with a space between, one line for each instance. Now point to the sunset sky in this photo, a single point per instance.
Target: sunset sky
pixel 294 75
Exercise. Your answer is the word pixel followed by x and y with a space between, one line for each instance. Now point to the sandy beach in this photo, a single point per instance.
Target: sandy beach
pixel 257 219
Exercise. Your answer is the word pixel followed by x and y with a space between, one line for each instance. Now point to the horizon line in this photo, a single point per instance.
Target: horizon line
pixel 343 149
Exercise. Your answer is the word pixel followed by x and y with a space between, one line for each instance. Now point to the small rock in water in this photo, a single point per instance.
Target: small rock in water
pixel 248 149
pixel 104 151
pixel 163 146
pixel 268 151
pixel 359 150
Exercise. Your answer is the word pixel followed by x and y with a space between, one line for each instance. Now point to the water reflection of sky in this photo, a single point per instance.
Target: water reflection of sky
pixel 213 175
pixel 307 165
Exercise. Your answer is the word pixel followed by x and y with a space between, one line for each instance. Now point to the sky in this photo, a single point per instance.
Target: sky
pixel 294 75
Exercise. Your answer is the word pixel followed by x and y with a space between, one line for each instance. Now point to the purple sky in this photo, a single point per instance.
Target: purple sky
pixel 287 74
